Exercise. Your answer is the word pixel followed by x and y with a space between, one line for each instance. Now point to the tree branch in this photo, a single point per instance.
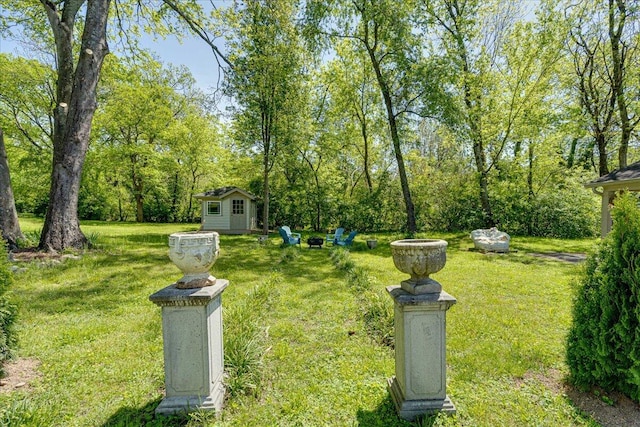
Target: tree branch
pixel 199 31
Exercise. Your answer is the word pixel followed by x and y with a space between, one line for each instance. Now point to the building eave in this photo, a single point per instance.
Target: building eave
pixel 630 184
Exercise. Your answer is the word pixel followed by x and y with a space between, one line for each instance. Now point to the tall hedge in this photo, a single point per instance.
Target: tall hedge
pixel 603 346
pixel 7 310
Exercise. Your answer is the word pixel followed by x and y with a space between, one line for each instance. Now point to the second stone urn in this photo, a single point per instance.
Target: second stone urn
pixel 194 253
pixel 419 258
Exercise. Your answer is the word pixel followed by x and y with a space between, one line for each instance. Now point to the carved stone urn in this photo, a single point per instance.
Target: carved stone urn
pixel 194 253
pixel 419 258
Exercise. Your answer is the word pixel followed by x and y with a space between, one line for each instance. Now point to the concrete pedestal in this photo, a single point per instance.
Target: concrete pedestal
pixel 193 351
pixel 419 386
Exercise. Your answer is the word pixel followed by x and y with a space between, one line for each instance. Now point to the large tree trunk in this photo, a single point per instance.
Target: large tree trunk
pixel 9 224
pixel 412 227
pixel 139 206
pixel 395 138
pixel 76 104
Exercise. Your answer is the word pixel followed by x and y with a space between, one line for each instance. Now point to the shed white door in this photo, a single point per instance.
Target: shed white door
pixel 238 215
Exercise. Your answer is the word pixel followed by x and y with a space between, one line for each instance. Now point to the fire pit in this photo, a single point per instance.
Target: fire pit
pixel 315 241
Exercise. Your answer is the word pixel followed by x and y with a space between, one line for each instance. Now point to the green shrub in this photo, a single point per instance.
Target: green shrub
pixel 603 346
pixel 562 210
pixel 8 311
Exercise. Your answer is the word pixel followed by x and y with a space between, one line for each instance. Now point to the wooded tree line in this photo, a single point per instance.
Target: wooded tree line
pixel 375 115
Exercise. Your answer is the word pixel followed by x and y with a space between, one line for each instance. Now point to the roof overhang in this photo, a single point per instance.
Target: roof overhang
pixel 627 184
pixel 205 196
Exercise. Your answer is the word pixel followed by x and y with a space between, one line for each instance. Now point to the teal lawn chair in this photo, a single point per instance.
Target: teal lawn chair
pixel 333 238
pixel 348 241
pixel 288 237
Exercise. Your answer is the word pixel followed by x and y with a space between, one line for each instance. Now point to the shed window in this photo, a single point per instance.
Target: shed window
pixel 214 208
pixel 237 207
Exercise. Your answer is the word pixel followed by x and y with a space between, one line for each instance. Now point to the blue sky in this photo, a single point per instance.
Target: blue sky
pixel 194 53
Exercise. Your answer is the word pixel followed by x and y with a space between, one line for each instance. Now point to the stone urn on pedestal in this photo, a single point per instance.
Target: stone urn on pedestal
pixel 420 305
pixel 194 253
pixel 192 326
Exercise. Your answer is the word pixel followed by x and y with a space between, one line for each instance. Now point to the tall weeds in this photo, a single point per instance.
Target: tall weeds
pixel 245 339
pixel 377 313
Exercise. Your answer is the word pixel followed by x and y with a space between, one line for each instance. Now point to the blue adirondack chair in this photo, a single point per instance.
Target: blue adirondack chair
pixel 348 241
pixel 288 237
pixel 333 238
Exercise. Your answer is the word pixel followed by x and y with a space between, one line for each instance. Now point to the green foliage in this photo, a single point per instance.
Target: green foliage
pixel 373 212
pixel 563 209
pixel 96 201
pixel 567 213
pixel 453 202
pixel 245 339
pixel 8 311
pixel 603 347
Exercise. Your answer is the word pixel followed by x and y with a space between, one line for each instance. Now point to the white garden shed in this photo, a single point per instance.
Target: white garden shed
pixel 228 210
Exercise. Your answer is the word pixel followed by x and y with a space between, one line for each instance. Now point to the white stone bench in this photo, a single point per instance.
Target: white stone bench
pixel 490 240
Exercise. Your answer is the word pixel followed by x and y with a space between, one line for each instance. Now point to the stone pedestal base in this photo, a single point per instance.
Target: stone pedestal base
pixel 411 409
pixel 213 402
pixel 419 386
pixel 192 343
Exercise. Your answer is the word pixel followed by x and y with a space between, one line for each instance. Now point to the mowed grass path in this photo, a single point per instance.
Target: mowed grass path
pixel 99 339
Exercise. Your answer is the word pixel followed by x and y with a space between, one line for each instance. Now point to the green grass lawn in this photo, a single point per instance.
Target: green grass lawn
pixel 98 338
